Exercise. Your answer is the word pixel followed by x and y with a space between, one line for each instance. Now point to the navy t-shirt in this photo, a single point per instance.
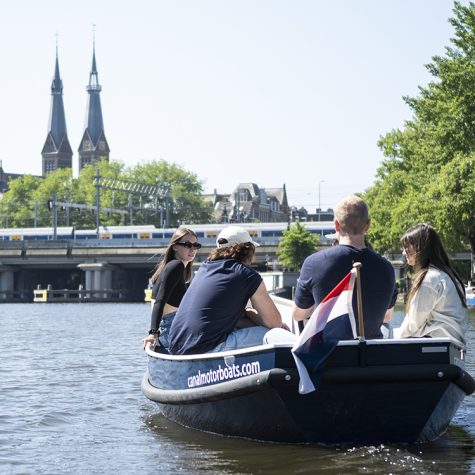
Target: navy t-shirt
pixel 212 306
pixel 323 270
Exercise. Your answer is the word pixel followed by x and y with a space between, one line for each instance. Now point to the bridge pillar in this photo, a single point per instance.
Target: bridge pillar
pixel 6 283
pixel 98 277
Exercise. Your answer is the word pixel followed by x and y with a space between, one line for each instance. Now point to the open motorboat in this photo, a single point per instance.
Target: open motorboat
pixel 369 391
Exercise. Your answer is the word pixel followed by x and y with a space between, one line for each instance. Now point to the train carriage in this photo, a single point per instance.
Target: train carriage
pixel 263 233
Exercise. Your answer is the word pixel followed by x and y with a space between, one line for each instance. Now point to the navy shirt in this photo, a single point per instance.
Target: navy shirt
pixel 323 270
pixel 212 306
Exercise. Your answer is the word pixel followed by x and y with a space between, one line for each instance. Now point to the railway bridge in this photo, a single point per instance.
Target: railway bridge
pixel 99 270
pixel 106 270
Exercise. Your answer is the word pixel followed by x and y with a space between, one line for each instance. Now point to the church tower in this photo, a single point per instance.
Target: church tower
pixel 94 146
pixel 57 152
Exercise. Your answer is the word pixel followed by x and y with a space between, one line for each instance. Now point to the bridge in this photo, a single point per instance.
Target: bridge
pixel 103 269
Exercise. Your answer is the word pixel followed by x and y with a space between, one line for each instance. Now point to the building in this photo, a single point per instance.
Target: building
pixel 249 203
pixel 94 146
pixel 320 215
pixel 57 152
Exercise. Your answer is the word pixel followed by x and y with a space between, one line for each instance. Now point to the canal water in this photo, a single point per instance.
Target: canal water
pixel 70 403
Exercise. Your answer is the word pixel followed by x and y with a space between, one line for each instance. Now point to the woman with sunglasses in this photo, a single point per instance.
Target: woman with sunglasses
pixel 436 305
pixel 170 280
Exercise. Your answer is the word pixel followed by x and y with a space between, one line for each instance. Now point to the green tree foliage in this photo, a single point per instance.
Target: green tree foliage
pixel 16 206
pixel 179 192
pixel 428 172
pixel 296 244
pixel 85 190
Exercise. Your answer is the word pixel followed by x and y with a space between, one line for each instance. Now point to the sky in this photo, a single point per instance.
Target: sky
pixel 273 92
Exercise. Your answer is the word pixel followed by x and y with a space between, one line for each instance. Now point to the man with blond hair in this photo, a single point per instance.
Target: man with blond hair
pixel 323 270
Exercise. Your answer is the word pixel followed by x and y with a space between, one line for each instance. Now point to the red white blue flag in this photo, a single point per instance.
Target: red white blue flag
pixel 332 320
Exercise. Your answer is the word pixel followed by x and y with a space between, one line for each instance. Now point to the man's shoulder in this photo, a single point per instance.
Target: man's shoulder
pixel 378 259
pixel 329 252
pixel 231 265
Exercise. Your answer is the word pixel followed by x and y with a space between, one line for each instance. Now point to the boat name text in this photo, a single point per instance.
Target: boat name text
pixel 222 374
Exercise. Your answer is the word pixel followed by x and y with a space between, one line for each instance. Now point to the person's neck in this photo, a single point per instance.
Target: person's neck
pixel 355 241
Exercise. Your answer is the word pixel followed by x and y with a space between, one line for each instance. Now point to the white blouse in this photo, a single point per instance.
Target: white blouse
pixel 435 310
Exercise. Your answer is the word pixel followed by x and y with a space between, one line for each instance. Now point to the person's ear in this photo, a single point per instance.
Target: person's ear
pixel 337 225
pixel 368 224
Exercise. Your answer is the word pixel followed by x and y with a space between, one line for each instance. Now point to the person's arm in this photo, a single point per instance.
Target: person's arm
pixel 388 315
pixel 247 320
pixel 304 303
pixel 420 309
pixel 267 314
pixel 301 313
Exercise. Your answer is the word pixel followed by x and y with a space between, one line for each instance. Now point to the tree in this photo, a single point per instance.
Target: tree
pixel 84 192
pixel 180 198
pixel 296 244
pixel 427 174
pixel 179 193
pixel 17 206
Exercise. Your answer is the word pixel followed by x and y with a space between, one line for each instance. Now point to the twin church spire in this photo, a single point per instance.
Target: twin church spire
pixel 57 152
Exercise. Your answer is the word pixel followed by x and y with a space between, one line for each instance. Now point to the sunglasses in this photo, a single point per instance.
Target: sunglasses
pixel 189 244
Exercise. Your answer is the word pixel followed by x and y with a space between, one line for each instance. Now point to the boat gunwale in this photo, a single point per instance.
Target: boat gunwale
pixel 272 347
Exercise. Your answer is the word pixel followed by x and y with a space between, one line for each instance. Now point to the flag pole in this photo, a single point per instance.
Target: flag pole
pixel 357 266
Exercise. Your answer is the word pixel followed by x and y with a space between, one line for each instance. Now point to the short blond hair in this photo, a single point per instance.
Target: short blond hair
pixel 353 215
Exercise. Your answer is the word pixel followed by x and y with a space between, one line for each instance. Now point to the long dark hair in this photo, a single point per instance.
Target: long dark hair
pixel 170 254
pixel 428 249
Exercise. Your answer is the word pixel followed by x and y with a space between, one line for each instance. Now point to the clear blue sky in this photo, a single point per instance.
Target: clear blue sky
pixel 271 92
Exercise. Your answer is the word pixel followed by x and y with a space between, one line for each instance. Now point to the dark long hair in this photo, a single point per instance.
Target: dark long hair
pixel 170 254
pixel 428 249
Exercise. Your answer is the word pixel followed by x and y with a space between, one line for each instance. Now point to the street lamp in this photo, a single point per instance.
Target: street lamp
pixel 319 209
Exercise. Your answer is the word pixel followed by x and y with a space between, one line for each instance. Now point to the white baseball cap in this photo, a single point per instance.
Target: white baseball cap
pixel 234 235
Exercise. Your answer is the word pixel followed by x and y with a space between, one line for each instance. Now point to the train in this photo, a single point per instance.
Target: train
pixel 263 233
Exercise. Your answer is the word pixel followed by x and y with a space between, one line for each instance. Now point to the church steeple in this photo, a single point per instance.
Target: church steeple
pixel 57 152
pixel 93 145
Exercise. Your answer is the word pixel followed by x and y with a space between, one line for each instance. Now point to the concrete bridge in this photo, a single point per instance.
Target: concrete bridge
pixel 103 270
pixel 115 271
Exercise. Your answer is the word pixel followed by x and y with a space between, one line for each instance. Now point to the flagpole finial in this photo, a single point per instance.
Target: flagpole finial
pixel 358 266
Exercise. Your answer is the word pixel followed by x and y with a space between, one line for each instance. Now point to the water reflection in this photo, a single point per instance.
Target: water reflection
pixel 451 454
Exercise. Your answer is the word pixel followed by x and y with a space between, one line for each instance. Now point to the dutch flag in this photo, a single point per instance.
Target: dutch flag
pixel 332 320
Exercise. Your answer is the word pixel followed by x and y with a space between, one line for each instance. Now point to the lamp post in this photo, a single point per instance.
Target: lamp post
pixel 319 209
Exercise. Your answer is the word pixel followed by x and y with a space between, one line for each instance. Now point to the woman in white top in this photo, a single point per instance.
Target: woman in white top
pixel 436 305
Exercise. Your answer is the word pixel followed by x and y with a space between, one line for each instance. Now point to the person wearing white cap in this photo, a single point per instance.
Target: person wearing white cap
pixel 212 315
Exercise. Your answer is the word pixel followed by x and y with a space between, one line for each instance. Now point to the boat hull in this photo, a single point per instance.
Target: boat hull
pixel 357 400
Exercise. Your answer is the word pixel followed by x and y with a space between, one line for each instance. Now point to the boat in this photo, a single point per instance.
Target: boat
pixel 369 392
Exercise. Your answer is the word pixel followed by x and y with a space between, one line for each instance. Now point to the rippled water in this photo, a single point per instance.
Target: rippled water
pixel 70 402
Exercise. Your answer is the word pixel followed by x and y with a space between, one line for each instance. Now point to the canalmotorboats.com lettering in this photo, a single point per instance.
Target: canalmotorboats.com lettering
pixel 222 374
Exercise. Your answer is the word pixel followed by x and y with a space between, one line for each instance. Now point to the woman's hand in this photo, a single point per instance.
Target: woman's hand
pixel 150 339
